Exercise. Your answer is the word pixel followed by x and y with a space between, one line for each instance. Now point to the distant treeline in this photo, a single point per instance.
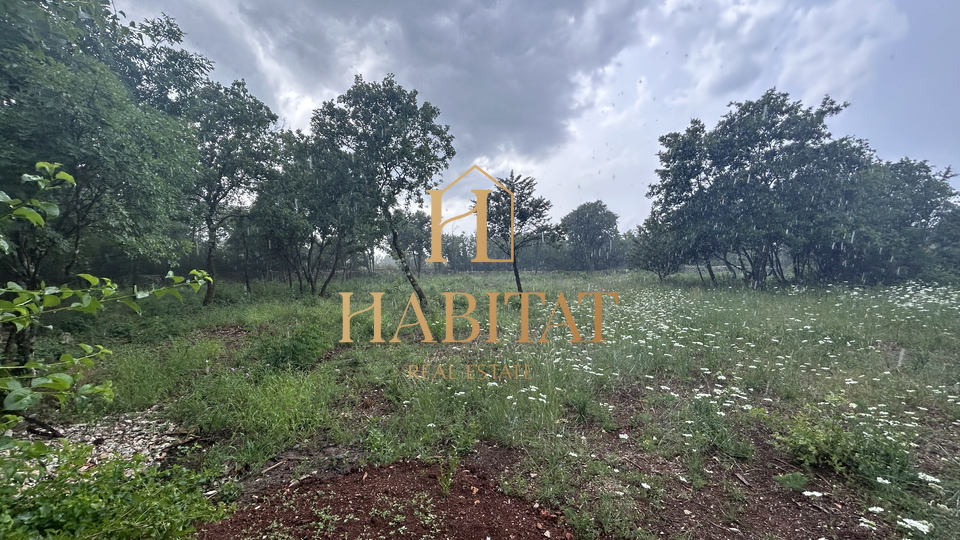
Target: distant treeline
pixel 769 194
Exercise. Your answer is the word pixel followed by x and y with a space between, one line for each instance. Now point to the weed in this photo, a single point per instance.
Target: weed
pixel 794 480
pixel 447 472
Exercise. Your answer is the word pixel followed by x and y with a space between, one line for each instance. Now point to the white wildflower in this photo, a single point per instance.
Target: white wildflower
pixel 922 526
pixel 927 478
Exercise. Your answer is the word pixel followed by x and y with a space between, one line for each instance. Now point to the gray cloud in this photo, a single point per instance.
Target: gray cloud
pixel 502 74
pixel 554 89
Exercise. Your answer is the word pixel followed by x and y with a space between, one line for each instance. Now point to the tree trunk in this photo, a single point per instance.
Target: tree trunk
pixel 713 278
pixel 246 261
pixel 333 271
pixel 402 261
pixel 516 273
pixel 211 262
pixel 25 341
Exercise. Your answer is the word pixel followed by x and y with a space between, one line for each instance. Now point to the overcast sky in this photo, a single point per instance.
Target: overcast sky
pixel 576 93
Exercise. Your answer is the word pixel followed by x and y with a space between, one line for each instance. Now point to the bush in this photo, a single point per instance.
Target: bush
pixel 299 350
pixel 116 499
pixel 845 444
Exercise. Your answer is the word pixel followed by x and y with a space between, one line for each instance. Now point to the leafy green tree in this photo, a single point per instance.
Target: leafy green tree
pixel 591 231
pixel 414 232
pixel 314 213
pixel 71 498
pixel 149 61
pixel 946 240
pixel 769 184
pixel 237 144
pixel 395 147
pixel 63 104
pixel 656 249
pixel 22 309
pixel 531 218
pixel 459 250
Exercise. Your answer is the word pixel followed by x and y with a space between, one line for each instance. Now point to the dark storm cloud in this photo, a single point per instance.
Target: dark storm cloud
pixel 502 73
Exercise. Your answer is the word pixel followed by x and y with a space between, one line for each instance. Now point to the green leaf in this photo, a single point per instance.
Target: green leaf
pixel 46 167
pixel 29 214
pixel 86 348
pixel 20 399
pixel 131 304
pixel 7 442
pixel 40 380
pixel 92 279
pixel 56 381
pixel 51 300
pixel 49 208
pixel 66 178
pixel 9 383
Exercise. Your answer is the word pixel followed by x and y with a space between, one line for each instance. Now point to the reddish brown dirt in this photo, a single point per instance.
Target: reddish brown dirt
pixel 403 500
pixel 738 499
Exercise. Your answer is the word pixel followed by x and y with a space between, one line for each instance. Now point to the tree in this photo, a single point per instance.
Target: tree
pixel 591 231
pixel 314 212
pixel 656 249
pixel 415 236
pixel 770 185
pixel 129 162
pixel 237 144
pixel 946 240
pixel 395 146
pixel 531 219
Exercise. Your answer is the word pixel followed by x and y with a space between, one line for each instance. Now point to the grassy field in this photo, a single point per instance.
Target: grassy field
pixel 852 390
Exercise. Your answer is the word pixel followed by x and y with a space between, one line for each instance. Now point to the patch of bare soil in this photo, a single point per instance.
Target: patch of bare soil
pixel 403 500
pixel 289 468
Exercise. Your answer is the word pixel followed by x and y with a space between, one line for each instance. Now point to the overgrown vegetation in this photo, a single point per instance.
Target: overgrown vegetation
pixel 697 376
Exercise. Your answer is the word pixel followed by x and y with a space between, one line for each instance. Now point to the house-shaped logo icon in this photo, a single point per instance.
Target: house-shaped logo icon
pixel 480 209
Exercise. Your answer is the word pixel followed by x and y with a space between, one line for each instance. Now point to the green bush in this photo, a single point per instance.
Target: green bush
pixel 794 480
pixel 299 349
pixel 843 443
pixel 117 499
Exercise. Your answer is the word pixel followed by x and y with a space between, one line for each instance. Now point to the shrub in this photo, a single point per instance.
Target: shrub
pixel 116 499
pixel 299 350
pixel 844 443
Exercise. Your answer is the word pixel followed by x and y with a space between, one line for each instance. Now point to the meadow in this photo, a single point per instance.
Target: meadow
pixel 787 413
